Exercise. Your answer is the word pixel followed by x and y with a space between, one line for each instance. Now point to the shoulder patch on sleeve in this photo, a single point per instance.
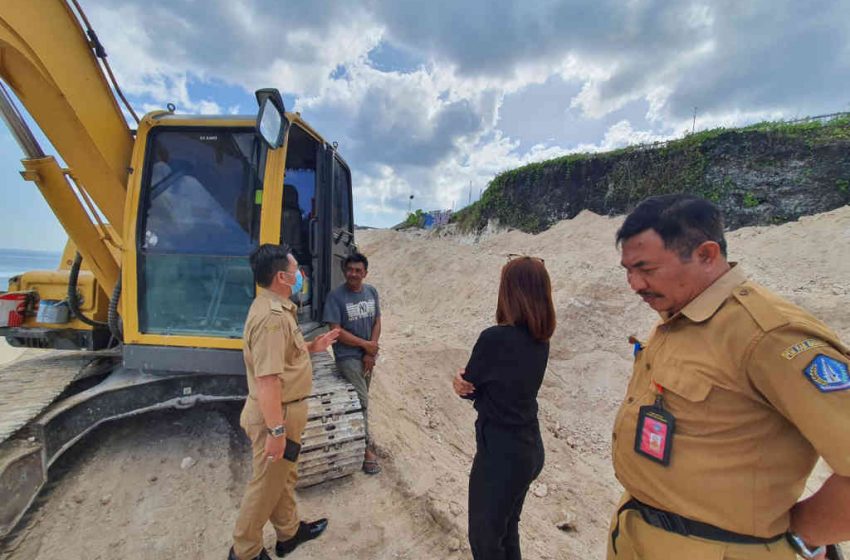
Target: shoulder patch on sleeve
pixel 828 374
pixel 791 352
pixel 760 308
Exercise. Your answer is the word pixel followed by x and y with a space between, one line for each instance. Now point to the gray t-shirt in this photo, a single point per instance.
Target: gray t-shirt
pixel 355 312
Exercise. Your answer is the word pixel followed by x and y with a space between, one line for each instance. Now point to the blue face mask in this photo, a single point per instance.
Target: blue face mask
pixel 299 283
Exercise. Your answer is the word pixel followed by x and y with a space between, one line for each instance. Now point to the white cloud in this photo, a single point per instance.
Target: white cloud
pixel 622 134
pixel 485 86
pixel 250 44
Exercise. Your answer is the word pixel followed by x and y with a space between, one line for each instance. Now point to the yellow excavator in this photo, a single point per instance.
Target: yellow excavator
pixel 146 308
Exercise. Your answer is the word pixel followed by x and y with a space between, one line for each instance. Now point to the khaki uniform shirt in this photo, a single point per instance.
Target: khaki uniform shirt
pixel 750 421
pixel 274 345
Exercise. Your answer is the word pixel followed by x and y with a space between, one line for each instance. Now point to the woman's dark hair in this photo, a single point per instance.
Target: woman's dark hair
pixel 267 260
pixel 525 298
pixel 356 258
pixel 683 221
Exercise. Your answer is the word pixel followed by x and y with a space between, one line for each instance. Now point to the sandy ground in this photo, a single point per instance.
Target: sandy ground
pixel 122 493
pixel 9 353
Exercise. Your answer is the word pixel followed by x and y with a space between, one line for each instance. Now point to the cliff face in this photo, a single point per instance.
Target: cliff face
pixel 764 174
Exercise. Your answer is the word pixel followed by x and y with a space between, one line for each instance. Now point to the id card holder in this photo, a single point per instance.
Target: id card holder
pixel 654 436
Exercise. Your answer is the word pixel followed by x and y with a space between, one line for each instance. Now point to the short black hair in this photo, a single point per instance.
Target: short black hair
pixel 356 258
pixel 683 221
pixel 267 260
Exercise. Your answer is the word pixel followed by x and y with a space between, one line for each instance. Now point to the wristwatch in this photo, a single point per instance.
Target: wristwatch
pixel 277 431
pixel 801 548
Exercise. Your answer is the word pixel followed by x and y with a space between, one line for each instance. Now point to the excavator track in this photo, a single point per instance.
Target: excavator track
pixel 46 406
pixel 335 436
pixel 28 386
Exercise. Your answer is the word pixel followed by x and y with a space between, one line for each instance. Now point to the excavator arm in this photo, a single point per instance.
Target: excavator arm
pixel 47 60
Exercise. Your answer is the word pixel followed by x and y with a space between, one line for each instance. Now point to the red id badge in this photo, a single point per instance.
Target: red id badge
pixel 654 436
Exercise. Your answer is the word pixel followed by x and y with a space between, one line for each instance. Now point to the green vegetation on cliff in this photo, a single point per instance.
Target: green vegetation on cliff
pixel 414 219
pixel 769 172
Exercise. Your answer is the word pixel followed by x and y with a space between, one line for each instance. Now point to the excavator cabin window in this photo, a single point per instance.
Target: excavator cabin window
pixel 199 220
pixel 299 202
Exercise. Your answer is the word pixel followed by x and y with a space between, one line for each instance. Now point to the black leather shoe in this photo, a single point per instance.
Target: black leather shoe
pixel 263 555
pixel 306 532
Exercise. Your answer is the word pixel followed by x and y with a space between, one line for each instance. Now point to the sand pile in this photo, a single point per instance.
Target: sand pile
pixel 437 293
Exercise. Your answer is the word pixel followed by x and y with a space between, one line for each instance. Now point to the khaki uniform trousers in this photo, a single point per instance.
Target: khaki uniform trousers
pixel 270 495
pixel 638 540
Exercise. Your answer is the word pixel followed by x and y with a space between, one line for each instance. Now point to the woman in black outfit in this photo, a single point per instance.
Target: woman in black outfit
pixel 502 377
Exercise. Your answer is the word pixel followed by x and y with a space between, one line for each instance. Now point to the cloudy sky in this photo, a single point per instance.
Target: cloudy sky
pixel 430 98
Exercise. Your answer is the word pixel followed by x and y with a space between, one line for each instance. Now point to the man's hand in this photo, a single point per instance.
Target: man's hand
pixel 368 363
pixel 462 387
pixel 816 518
pixel 321 343
pixel 371 347
pixel 274 447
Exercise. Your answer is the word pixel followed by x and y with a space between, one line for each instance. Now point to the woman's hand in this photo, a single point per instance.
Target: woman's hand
pixel 462 387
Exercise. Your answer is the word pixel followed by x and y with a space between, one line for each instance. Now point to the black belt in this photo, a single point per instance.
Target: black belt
pixel 675 523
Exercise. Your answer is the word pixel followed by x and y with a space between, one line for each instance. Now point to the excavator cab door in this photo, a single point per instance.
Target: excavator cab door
pixel 335 231
pixel 197 224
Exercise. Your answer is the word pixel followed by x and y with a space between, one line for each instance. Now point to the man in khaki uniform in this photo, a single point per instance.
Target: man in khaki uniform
pixel 280 378
pixel 734 395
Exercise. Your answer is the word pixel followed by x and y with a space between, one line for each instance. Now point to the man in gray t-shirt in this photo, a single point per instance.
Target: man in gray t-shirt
pixel 355 308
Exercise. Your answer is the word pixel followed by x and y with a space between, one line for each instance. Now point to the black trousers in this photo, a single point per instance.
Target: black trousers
pixel 507 460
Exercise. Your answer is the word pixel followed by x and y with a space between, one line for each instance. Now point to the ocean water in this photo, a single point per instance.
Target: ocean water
pixel 16 261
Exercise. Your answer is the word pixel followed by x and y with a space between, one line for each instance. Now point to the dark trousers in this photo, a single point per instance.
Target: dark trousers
pixel 507 460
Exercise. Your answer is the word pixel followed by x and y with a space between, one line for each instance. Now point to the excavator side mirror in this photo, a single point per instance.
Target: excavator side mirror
pixel 271 119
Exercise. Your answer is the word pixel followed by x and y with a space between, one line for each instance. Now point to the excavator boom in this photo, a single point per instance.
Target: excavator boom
pixel 46 59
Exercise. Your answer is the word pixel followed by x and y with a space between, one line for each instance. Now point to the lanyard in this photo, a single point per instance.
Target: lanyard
pixel 659 394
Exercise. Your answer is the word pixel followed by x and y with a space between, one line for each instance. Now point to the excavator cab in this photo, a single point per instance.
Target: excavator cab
pixel 206 193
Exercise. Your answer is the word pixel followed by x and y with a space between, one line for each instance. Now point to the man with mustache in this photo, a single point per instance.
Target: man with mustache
pixel 734 395
pixel 354 309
